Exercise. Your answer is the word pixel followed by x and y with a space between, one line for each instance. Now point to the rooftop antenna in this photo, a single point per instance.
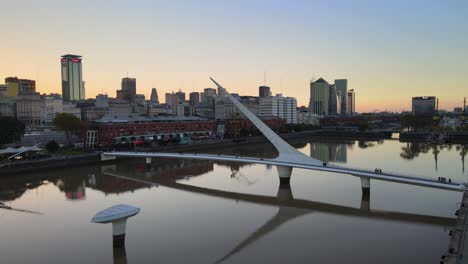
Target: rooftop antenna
pixel 281 85
pixel 264 78
pixel 437 107
pixel 464 104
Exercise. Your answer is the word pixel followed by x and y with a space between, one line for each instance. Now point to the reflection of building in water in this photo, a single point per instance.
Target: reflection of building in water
pixel 12 189
pixel 112 185
pixel 73 187
pixel 328 151
pixel 166 167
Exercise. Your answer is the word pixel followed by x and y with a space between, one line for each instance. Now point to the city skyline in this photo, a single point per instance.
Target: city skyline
pixel 416 55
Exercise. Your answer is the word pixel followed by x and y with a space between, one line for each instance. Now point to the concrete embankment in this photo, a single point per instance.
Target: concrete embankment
pixel 17 167
pixel 457 249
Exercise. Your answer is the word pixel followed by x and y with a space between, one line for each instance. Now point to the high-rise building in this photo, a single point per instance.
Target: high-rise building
pixel 3 90
pixel 342 91
pixel 424 105
pixel 128 89
pixel 332 101
pixel 264 91
pixel 72 78
pixel 12 84
pixel 350 102
pixel 17 86
pixel 154 96
pixel 172 100
pixel 319 97
pixel 180 96
pixel 26 86
pixel 208 96
pixel 279 106
pixel 194 98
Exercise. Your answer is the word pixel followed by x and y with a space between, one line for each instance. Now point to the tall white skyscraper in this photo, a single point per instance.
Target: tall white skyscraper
pixel 72 78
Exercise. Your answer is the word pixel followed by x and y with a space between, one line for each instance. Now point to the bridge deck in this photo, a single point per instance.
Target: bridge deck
pixel 391 177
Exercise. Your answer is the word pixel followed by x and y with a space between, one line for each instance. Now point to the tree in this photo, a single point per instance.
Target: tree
pixel 52 146
pixel 407 120
pixel 68 123
pixel 12 130
pixel 363 125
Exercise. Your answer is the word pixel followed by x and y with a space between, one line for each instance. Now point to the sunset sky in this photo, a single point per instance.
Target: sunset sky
pixel 388 50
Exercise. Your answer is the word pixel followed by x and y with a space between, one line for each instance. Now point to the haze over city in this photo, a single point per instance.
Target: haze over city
pixel 389 51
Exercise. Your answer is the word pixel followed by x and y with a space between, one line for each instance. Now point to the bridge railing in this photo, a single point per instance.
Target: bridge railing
pixel 385 171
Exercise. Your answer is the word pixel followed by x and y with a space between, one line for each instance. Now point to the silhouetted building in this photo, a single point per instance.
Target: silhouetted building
pixel 194 98
pixel 128 91
pixel 72 78
pixel 154 96
pixel 319 97
pixel 180 96
pixel 332 101
pixel 264 91
pixel 342 91
pixel 208 96
pixel 424 105
pixel 351 102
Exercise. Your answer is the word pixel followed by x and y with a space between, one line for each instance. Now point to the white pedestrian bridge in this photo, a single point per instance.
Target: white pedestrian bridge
pixel 290 158
pixel 366 174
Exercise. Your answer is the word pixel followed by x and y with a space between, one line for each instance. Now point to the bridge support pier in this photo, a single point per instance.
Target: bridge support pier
pixel 148 161
pixel 284 174
pixel 365 185
pixel 284 193
pixel 365 201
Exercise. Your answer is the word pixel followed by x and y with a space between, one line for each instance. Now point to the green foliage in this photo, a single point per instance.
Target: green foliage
pixel 243 132
pixel 363 125
pixel 417 123
pixel 12 130
pixel 52 146
pixel 68 123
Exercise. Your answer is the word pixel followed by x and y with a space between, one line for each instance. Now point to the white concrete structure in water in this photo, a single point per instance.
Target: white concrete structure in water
pixel 117 215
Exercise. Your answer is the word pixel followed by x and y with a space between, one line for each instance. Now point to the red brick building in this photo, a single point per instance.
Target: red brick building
pixel 108 132
pixel 235 125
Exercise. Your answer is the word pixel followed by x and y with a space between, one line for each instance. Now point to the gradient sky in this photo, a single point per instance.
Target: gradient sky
pixel 388 50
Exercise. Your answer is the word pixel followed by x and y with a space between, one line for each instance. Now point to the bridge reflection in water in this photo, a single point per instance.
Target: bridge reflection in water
pixel 288 207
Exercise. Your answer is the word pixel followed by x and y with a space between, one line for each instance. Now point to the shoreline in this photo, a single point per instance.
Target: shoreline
pixel 23 167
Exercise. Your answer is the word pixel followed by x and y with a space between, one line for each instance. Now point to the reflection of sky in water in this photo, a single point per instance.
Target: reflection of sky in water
pixel 177 226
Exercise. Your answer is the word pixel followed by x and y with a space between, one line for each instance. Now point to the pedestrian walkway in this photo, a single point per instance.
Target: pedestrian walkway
pixel 457 252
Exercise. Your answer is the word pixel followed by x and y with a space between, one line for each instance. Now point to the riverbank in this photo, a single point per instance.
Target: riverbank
pixel 443 137
pixel 64 161
pixel 56 162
